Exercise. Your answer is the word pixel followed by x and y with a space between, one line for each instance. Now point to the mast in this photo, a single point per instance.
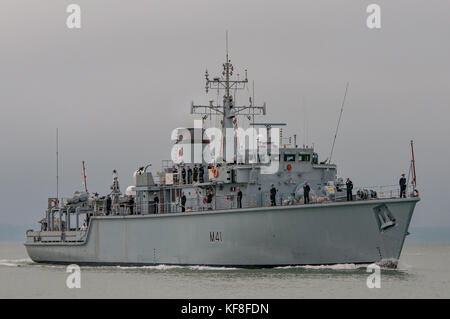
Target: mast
pixel 84 176
pixel 57 168
pixel 413 163
pixel 339 122
pixel 229 110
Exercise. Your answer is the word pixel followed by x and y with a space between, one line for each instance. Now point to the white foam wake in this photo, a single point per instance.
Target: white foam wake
pixel 14 262
pixel 318 267
pixel 171 267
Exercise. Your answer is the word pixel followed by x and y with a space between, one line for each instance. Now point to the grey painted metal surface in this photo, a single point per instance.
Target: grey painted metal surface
pixel 285 235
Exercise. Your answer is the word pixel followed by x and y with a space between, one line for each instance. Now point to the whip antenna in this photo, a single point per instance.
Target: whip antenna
pixel 57 167
pixel 339 121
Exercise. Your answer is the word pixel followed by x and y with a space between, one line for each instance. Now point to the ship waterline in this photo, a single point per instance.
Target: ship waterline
pixel 341 232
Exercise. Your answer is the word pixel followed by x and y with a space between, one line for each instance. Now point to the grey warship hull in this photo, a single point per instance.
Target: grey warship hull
pixel 332 233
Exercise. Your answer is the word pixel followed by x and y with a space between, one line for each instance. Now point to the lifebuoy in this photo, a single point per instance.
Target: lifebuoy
pixel 215 172
pixel 52 203
pixel 204 200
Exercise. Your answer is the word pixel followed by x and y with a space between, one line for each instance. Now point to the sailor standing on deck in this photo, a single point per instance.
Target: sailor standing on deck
pixel 195 173
pixel 402 183
pixel 156 202
pixel 306 190
pixel 201 172
pixel 175 174
pixel 209 197
pixel 183 202
pixel 349 185
pixel 189 175
pixel 239 198
pixel 108 205
pixel 131 204
pixel 273 194
pixel 183 174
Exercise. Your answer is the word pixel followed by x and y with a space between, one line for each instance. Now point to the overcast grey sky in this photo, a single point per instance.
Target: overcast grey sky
pixel 119 85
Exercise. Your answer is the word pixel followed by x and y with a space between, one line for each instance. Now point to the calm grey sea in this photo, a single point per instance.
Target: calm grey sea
pixel 424 272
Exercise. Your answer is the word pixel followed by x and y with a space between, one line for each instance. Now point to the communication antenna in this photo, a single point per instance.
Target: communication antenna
pixel 253 101
pixel 413 164
pixel 339 121
pixel 84 176
pixel 305 141
pixel 226 41
pixel 57 167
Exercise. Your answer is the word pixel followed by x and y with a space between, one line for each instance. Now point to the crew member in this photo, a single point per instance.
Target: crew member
pixel 209 197
pixel 183 202
pixel 273 194
pixel 183 174
pixel 189 175
pixel 108 205
pixel 402 183
pixel 239 198
pixel 131 204
pixel 306 190
pixel 201 172
pixel 195 173
pixel 175 174
pixel 349 185
pixel 156 202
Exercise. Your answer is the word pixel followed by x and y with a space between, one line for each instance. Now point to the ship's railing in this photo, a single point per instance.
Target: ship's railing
pixel 360 193
pixel 384 192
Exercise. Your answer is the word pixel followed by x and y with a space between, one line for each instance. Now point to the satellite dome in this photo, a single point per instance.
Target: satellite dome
pixel 131 190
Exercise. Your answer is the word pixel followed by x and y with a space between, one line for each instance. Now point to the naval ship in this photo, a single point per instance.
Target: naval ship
pixel 223 211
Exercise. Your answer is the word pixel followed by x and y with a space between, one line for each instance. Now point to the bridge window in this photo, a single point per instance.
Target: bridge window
pixel 289 157
pixel 315 158
pixel 304 157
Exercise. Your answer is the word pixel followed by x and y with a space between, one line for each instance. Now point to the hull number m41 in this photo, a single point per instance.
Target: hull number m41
pixel 215 236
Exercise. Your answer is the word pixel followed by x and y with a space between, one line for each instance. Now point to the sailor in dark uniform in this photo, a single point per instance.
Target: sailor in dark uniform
pixel 175 174
pixel 108 205
pixel 201 172
pixel 189 175
pixel 156 202
pixel 131 204
pixel 195 173
pixel 183 175
pixel 273 194
pixel 183 202
pixel 349 185
pixel 306 190
pixel 239 198
pixel 209 198
pixel 402 183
